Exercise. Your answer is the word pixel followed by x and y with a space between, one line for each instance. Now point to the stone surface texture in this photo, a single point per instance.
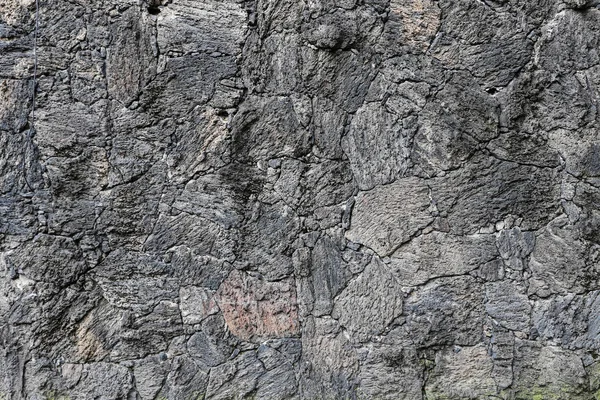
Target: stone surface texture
pixel 300 199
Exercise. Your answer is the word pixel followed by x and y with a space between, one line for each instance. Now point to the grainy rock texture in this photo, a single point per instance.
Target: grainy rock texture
pixel 300 199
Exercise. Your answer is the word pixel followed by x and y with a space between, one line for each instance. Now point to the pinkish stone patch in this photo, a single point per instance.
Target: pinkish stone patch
pixel 420 20
pixel 256 309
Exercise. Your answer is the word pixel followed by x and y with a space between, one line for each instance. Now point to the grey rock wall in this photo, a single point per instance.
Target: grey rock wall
pixel 300 199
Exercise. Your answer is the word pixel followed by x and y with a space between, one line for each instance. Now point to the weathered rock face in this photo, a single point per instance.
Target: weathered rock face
pixel 290 199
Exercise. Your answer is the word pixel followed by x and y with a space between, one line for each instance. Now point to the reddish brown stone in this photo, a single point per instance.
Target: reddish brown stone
pixel 254 308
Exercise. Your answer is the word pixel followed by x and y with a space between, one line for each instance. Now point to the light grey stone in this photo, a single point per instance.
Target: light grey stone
pixel 389 215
